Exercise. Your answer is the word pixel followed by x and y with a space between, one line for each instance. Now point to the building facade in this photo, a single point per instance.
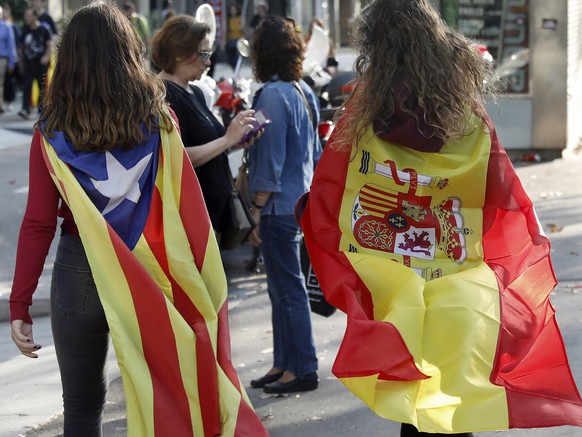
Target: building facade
pixel 536 43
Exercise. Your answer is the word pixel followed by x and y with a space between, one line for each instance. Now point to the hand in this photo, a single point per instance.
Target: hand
pixel 22 337
pixel 254 236
pixel 239 127
pixel 44 60
pixel 251 140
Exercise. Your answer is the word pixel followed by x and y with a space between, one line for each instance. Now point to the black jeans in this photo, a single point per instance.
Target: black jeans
pixel 31 71
pixel 408 430
pixel 81 337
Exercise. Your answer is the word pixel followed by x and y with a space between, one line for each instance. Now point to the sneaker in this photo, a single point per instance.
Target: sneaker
pixel 24 114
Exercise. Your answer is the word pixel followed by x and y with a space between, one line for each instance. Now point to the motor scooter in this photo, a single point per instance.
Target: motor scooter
pixel 234 92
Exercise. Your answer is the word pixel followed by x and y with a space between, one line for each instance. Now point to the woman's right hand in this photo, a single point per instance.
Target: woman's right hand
pixel 239 127
pixel 254 238
pixel 22 337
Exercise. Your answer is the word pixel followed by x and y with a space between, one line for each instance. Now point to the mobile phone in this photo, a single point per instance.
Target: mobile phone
pixel 261 120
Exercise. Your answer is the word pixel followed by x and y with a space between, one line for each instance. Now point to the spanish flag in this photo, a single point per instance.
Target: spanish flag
pixel 153 255
pixel 444 272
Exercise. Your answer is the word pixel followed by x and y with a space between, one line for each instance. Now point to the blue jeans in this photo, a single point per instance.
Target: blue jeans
pixel 291 317
pixel 81 337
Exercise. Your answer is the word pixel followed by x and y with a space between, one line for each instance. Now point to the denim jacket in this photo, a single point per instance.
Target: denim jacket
pixel 282 160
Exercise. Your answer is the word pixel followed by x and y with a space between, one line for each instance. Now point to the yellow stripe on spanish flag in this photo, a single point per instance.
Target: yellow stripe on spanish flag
pixel 444 274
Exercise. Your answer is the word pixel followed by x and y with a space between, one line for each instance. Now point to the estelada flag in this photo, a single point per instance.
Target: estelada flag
pixel 444 273
pixel 157 268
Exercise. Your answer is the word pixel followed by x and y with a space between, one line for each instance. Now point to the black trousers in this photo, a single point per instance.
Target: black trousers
pixel 408 430
pixel 81 337
pixel 32 71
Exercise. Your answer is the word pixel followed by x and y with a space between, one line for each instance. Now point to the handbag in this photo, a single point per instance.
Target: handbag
pixel 241 220
pixel 317 302
pixel 242 178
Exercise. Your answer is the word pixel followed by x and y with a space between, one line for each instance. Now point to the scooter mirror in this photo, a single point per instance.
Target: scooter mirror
pixel 243 47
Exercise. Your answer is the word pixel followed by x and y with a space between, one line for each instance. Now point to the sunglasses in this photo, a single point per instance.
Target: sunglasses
pixel 205 55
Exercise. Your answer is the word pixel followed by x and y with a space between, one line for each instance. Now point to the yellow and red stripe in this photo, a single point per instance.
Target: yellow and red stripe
pixel 475 349
pixel 166 304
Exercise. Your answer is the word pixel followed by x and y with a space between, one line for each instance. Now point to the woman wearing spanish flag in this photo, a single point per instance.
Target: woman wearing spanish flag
pixel 137 259
pixel 420 231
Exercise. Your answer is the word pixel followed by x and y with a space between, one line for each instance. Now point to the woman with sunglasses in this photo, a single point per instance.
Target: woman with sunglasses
pixel 181 49
pixel 281 165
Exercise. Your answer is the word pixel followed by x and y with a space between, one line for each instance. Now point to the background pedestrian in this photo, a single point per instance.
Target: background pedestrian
pixel 181 48
pixel 7 55
pixel 36 52
pixel 234 33
pixel 281 165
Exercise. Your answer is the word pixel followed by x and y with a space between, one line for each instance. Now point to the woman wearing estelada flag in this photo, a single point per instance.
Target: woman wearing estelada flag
pixel 420 231
pixel 137 257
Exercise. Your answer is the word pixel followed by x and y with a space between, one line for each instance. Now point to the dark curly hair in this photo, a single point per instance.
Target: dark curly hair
pixel 101 96
pixel 405 43
pixel 277 49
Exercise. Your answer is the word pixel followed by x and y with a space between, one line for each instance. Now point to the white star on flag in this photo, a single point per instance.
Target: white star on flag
pixel 121 183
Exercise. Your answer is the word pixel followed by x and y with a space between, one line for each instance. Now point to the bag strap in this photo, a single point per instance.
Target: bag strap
pixel 298 88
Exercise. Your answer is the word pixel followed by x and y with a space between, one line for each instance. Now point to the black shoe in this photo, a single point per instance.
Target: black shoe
pixel 267 379
pixel 252 266
pixel 24 114
pixel 301 383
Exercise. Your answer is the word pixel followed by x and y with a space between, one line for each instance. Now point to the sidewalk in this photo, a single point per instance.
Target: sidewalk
pixel 331 410
pixel 31 402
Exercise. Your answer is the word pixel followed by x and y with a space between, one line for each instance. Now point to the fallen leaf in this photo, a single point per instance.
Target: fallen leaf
pixel 267 417
pixel 554 227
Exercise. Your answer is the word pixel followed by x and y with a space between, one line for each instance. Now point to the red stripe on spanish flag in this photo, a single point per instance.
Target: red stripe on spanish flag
pixel 346 290
pixel 531 358
pixel 448 343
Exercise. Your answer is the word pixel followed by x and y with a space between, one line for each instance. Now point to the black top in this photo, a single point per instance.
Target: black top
pixel 199 126
pixel 47 21
pixel 34 43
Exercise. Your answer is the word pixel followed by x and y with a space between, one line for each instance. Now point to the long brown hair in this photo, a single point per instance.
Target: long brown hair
pixel 179 38
pixel 405 43
pixel 277 50
pixel 101 96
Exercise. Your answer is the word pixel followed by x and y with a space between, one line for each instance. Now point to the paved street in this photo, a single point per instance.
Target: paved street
pixel 30 401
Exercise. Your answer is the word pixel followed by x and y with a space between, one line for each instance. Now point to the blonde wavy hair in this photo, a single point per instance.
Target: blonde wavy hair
pixel 406 43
